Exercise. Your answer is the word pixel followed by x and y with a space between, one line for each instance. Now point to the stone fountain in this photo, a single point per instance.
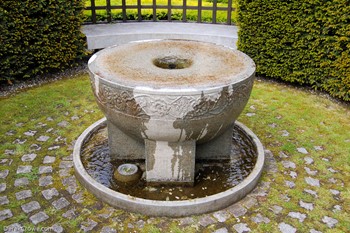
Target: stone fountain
pixel 170 103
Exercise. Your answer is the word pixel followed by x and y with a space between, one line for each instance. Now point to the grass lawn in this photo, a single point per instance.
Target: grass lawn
pixel 308 135
pixel 191 14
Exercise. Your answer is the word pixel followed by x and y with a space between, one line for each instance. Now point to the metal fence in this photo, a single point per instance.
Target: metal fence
pixel 109 8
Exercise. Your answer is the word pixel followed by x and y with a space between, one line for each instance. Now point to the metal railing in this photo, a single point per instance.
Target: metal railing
pixel 109 11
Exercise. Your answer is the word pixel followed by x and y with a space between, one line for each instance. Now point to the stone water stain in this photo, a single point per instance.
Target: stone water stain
pixel 211 177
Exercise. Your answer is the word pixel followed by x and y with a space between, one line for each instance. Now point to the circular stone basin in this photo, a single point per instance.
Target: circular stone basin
pixel 170 101
pixel 171 65
pixel 176 208
pixel 171 90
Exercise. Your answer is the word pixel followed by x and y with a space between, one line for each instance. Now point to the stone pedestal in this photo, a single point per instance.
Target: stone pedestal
pixel 217 149
pixel 168 162
pixel 122 146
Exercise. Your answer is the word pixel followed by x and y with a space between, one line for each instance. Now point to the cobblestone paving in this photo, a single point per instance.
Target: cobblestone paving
pixel 38 189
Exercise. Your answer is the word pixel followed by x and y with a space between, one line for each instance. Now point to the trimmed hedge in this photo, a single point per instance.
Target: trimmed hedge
pixel 39 36
pixel 304 42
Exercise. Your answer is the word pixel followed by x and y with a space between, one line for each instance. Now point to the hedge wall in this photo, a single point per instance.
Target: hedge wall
pixel 38 36
pixel 305 42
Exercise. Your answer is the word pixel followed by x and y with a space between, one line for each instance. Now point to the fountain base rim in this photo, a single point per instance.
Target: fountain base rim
pixel 167 208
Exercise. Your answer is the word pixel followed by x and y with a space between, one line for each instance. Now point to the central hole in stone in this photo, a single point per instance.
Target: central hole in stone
pixel 172 62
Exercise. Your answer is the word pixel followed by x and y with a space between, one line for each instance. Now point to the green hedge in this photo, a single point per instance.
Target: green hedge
pixel 38 36
pixel 304 42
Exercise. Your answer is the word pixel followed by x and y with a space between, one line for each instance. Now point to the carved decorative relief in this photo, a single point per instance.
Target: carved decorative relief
pixel 117 100
pixel 170 107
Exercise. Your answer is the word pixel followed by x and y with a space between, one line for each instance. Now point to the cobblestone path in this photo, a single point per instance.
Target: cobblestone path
pixel 38 188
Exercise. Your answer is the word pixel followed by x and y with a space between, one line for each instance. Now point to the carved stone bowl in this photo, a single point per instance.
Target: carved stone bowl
pixel 170 101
